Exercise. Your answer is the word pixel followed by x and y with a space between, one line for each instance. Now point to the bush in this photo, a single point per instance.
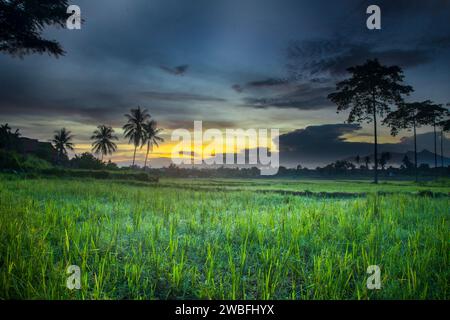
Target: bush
pixel 99 174
pixel 86 161
pixel 34 163
pixel 10 160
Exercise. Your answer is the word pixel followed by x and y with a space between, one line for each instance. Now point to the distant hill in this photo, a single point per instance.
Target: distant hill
pixel 423 157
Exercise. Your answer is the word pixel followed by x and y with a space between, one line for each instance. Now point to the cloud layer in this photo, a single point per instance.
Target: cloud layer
pixel 319 145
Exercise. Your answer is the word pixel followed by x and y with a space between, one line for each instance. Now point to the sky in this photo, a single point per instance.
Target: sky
pixel 229 63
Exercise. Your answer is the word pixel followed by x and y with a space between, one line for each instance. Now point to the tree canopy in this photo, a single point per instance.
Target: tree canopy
pixel 371 90
pixel 23 21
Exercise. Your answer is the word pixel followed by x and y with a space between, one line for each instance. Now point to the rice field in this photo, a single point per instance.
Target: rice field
pixel 181 239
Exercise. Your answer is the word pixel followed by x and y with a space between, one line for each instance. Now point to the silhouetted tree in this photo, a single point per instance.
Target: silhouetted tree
pixel 87 161
pixel 151 137
pixel 432 115
pixel 370 91
pixel 23 21
pixel 357 159
pixel 103 143
pixel 407 164
pixel 367 161
pixel 9 140
pixel 111 165
pixel 342 165
pixel 134 130
pixel 445 127
pixel 408 116
pixel 385 157
pixel 62 140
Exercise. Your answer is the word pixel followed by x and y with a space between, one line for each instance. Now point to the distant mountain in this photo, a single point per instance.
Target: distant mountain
pixel 423 157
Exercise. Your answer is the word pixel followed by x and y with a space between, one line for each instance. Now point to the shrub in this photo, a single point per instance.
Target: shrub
pixel 86 161
pixel 34 163
pixel 99 174
pixel 9 160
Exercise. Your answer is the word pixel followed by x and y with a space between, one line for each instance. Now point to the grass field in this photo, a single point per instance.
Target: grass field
pixel 222 239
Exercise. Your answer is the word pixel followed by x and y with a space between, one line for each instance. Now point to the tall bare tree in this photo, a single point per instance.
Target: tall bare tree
pixel 408 116
pixel 368 93
pixel 432 115
pixel 445 127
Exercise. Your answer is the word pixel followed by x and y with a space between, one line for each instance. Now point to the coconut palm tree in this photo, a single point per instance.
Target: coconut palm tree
pixel 102 140
pixel 150 137
pixel 62 140
pixel 133 129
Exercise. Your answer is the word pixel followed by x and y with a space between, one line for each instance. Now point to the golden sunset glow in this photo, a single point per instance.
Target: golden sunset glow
pixel 229 144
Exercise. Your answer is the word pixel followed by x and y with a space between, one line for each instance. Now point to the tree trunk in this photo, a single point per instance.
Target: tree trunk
pixel 435 147
pixel 134 155
pixel 146 156
pixel 442 148
pixel 415 151
pixel 375 144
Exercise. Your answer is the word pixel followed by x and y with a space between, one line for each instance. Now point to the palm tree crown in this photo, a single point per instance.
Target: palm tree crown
pixel 133 129
pixel 150 137
pixel 62 141
pixel 102 140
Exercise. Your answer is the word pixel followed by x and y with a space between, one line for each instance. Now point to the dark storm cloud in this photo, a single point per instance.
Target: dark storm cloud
pixel 87 108
pixel 413 33
pixel 270 82
pixel 322 61
pixel 424 141
pixel 238 88
pixel 88 102
pixel 301 97
pixel 323 144
pixel 174 57
pixel 177 71
pixel 180 96
pixel 331 57
pixel 329 133
pixel 409 6
pixel 189 124
pixel 442 42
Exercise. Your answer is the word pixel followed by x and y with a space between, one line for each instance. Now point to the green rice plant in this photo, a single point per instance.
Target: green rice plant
pixel 149 241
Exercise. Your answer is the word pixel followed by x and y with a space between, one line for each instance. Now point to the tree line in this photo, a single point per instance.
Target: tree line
pixel 369 95
pixel 140 130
